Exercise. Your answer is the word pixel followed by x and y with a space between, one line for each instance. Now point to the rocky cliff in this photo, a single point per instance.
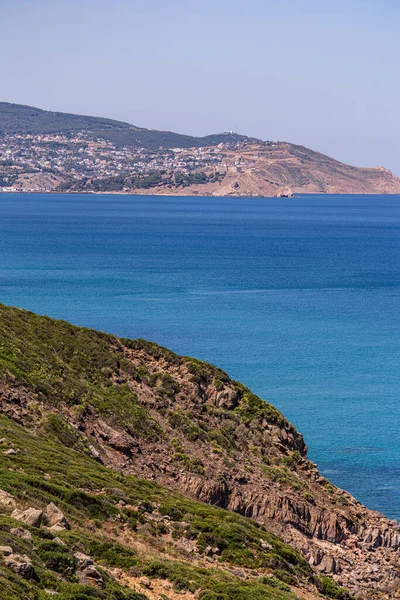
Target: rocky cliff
pixel 141 410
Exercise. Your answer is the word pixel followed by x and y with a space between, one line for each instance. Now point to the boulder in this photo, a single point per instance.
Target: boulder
pixel 22 533
pixel 7 500
pixel 53 516
pixel 265 545
pixel 329 565
pixel 145 582
pixel 58 541
pixel 22 565
pixel 284 192
pixel 30 516
pixel 90 576
pixel 57 528
pixel 6 550
pixel 83 560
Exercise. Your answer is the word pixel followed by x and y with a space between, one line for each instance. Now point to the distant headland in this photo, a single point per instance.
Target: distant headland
pixel 43 151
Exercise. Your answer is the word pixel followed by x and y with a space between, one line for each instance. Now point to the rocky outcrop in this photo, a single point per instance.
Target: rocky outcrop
pixel 55 518
pixel 213 440
pixel 22 565
pixel 22 533
pixel 7 501
pixel 30 516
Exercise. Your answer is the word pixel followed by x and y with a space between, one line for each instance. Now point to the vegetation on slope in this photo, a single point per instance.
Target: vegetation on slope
pixel 17 118
pixel 196 547
pixel 109 513
pixel 75 366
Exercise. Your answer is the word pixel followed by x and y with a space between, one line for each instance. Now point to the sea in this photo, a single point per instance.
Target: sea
pixel 297 298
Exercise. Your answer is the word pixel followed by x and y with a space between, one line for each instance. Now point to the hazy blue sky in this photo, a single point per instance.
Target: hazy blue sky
pixel 323 73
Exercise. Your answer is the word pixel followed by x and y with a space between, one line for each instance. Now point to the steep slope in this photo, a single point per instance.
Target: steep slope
pixel 269 168
pixel 72 528
pixel 144 411
pixel 17 118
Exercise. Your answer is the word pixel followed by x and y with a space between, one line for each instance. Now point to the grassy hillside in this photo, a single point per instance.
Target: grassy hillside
pixel 112 516
pixel 130 528
pixel 17 118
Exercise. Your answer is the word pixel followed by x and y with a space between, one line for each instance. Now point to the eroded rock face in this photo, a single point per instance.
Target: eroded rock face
pixel 388 537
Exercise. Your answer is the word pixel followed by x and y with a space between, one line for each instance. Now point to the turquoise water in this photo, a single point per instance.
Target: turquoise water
pixel 298 298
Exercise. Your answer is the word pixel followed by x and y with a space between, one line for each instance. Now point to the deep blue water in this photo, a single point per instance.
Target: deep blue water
pixel 298 298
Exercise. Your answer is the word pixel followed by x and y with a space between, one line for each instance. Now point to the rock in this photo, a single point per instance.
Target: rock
pixel 22 533
pixel 284 192
pixel 145 582
pixel 57 540
pixel 6 550
pixel 53 517
pixel 57 528
pixel 329 565
pixel 21 565
pixel 30 516
pixel 265 545
pixel 7 500
pixel 94 453
pixel 90 576
pixel 83 560
pixel 10 452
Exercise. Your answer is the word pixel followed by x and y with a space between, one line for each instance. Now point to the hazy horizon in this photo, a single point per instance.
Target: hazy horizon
pixel 319 76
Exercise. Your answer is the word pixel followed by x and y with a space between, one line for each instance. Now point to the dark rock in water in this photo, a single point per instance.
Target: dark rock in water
pixel 284 192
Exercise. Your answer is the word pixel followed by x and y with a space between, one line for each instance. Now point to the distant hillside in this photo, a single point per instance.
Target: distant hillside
pixel 17 118
pixel 42 151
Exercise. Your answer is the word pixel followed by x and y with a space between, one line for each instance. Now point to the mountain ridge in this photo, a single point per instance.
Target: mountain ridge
pixel 21 118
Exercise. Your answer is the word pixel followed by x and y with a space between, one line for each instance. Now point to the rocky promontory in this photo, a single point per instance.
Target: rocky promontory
pixel 136 410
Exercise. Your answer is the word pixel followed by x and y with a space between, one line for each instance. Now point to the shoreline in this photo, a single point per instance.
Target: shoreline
pixel 296 194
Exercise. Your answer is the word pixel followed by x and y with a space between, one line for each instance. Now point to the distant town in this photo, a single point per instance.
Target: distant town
pixel 78 162
pixel 44 151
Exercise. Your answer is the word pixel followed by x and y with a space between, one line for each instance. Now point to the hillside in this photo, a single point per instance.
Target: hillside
pixel 280 168
pixel 20 119
pixel 72 528
pixel 42 151
pixel 96 424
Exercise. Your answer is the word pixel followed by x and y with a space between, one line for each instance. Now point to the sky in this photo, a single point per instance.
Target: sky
pixel 322 73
